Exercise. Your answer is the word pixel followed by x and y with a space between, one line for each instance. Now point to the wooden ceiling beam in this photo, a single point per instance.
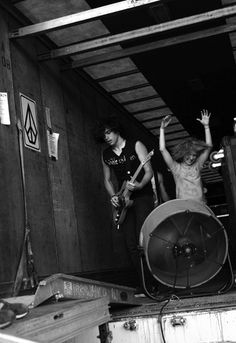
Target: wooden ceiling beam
pixel 162 43
pixel 128 89
pixel 143 32
pixel 148 109
pixel 116 76
pixel 78 18
pixel 159 118
pixel 173 141
pixel 168 133
pixel 137 100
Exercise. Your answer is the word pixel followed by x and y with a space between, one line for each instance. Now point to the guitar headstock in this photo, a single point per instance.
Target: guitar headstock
pixel 148 157
pixel 151 153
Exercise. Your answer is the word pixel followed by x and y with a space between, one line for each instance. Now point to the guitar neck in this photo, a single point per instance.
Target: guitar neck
pixel 134 177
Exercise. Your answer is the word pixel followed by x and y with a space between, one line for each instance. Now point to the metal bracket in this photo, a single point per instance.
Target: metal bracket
pixel 131 325
pixel 178 321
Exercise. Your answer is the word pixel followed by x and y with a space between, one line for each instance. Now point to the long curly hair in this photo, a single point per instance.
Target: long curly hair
pixel 187 147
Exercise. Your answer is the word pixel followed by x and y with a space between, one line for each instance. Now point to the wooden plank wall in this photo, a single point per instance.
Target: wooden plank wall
pixel 11 225
pixel 69 211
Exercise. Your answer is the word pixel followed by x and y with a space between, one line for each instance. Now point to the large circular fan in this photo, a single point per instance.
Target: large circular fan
pixel 185 245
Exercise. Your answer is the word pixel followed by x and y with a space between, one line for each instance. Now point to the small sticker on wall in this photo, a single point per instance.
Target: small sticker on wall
pixel 53 144
pixel 30 123
pixel 4 109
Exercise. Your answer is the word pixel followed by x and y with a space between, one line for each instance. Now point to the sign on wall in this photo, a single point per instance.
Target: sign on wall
pixel 4 109
pixel 30 123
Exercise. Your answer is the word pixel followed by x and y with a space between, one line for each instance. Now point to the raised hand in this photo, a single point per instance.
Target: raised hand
pixel 165 121
pixel 205 118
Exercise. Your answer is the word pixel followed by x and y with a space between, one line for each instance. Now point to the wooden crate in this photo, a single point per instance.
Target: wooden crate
pixel 65 321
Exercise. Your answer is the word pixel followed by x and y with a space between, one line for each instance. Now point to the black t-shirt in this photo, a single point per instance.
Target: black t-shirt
pixel 125 165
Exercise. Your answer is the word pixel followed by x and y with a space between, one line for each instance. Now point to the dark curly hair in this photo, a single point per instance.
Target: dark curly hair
pixel 188 146
pixel 111 123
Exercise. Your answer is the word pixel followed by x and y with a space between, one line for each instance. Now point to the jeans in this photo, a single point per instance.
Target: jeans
pixel 132 225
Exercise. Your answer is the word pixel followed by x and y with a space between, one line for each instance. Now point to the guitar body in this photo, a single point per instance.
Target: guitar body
pixel 119 212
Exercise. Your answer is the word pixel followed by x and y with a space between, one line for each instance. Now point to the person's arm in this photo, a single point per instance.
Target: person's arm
pixel 162 144
pixel 205 119
pixel 164 195
pixel 109 185
pixel 142 153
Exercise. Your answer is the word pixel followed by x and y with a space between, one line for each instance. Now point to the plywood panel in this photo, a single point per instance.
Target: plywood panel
pixel 11 214
pixel 39 200
pixel 60 175
pixel 89 194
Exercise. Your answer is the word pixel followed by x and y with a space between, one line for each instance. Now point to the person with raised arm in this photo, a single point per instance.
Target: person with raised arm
pixel 187 159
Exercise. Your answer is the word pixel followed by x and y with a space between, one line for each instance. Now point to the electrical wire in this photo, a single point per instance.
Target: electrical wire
pixel 161 315
pixel 160 319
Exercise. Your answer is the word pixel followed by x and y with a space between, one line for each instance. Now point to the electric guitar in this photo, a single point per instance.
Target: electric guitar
pixel 124 193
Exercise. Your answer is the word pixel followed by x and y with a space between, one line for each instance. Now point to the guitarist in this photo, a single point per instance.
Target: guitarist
pixel 123 157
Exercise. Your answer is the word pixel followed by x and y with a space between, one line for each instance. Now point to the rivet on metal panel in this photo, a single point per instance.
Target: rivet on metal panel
pixel 178 320
pixel 131 325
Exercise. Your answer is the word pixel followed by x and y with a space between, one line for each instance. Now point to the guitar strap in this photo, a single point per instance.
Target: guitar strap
pixel 128 151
